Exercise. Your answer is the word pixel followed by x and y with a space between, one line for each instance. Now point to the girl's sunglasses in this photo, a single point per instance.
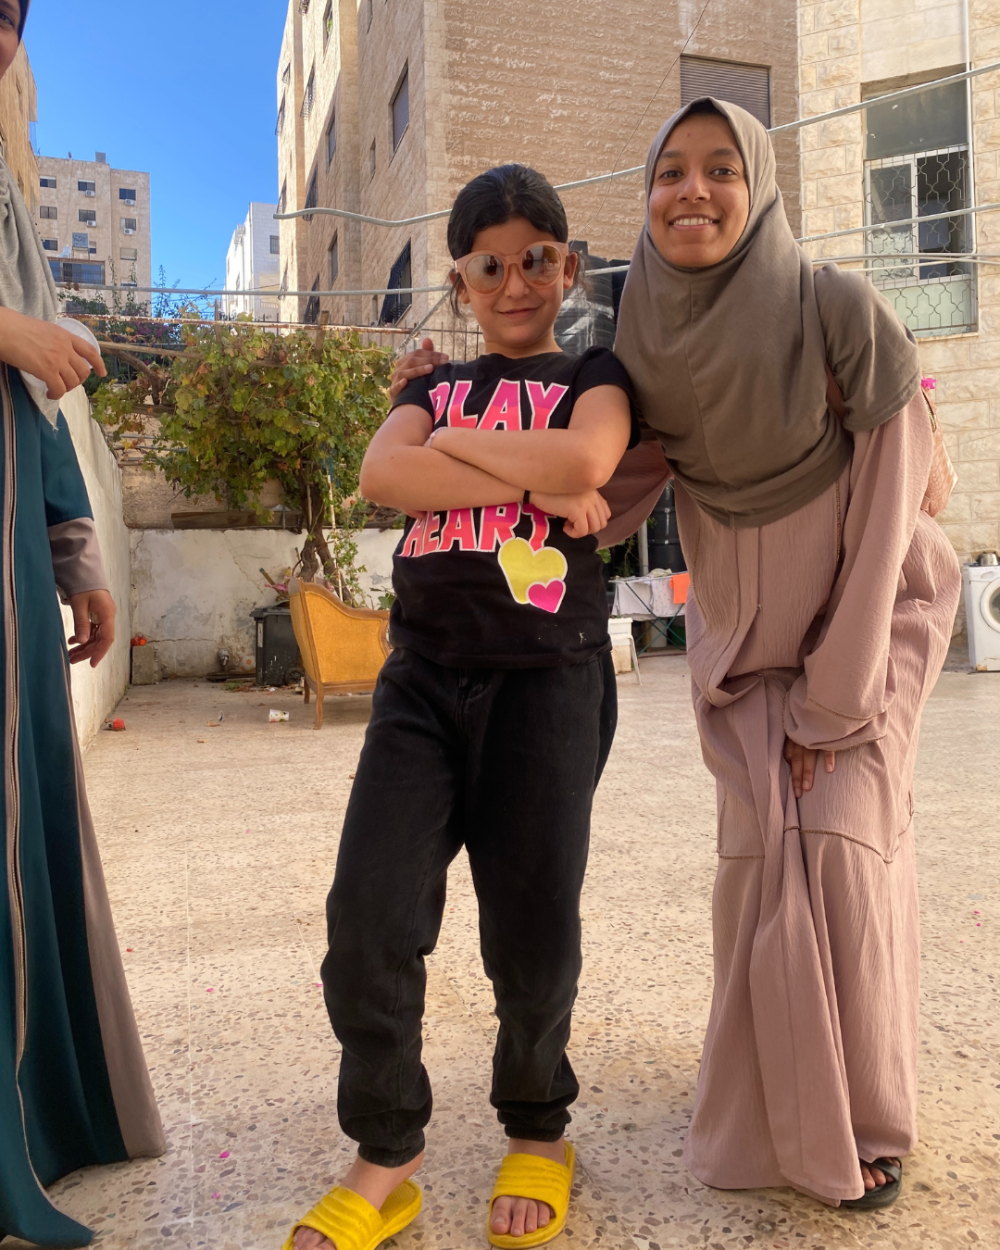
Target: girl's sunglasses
pixel 540 265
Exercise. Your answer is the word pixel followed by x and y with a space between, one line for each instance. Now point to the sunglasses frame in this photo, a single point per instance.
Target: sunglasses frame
pixel 460 266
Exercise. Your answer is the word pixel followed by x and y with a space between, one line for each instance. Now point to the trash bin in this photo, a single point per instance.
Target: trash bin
pixel 278 660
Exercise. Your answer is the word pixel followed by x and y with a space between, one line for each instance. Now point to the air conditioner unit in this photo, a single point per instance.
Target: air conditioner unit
pixel 90 194
pixel 130 203
pixel 128 230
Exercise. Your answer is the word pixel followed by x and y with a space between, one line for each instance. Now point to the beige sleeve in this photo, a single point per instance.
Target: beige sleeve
pixel 76 558
pixel 842 698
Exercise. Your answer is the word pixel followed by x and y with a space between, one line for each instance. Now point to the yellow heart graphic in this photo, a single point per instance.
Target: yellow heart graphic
pixel 523 567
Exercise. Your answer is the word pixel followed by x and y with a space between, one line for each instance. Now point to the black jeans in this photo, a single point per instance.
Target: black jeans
pixel 504 761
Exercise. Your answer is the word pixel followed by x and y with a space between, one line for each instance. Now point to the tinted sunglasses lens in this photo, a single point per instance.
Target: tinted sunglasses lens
pixel 484 273
pixel 542 264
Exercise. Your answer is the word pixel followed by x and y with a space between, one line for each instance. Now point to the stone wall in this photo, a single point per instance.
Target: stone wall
pixel 844 44
pixel 97 690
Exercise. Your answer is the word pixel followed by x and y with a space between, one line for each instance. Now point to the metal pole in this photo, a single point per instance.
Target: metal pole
pixel 643 536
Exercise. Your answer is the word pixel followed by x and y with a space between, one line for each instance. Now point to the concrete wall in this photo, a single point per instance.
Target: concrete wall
pixel 97 690
pixel 193 590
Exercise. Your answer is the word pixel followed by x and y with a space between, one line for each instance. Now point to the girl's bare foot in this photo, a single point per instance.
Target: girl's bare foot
pixel 872 1176
pixel 373 1183
pixel 518 1216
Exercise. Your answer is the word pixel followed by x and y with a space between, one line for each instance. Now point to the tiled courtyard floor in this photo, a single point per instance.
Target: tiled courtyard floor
pixel 219 844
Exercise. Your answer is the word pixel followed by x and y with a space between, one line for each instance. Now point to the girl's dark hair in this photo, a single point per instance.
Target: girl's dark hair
pixel 498 196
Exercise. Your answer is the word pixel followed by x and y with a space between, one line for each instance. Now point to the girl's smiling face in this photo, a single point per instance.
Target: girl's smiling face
pixel 10 19
pixel 518 318
pixel 700 201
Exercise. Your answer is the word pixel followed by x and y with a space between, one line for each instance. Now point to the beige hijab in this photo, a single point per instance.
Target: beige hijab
pixel 729 362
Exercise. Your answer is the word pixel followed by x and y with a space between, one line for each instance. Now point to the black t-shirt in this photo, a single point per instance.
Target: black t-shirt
pixel 502 586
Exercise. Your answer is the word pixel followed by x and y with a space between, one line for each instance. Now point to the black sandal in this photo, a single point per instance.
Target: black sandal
pixel 882 1195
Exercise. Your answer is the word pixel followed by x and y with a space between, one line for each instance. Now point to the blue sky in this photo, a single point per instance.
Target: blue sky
pixel 185 90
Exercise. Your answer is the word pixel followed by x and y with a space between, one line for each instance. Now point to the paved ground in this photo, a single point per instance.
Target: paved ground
pixel 219 844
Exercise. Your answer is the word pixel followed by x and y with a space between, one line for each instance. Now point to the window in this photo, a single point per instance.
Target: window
pixel 333 257
pixel 127 194
pixel 749 86
pixel 286 74
pixel 47 182
pixel 280 126
pixel 400 278
pixel 283 198
pixel 275 244
pixel 128 253
pixel 50 245
pixel 401 109
pixel 81 240
pixel 284 279
pixel 88 216
pixel 88 188
pixel 310 96
pixel 327 23
pixel 371 160
pixel 312 196
pixel 312 305
pixel 331 139
pixel 129 225
pixel 48 212
pixel 916 166
pixel 83 272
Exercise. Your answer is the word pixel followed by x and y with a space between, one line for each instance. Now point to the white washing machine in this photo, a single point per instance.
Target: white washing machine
pixel 982 608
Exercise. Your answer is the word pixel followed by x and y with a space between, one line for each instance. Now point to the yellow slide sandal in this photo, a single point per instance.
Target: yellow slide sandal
pixel 351 1223
pixel 531 1176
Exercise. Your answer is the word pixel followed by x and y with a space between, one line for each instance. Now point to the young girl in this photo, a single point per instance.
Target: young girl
pixel 490 726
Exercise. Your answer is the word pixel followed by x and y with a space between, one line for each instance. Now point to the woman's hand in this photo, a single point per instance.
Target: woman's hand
pixel 415 365
pixel 803 765
pixel 586 512
pixel 93 626
pixel 60 359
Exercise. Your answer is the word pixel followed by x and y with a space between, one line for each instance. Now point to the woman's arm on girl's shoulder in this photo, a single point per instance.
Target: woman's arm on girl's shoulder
pixel 580 458
pixel 401 471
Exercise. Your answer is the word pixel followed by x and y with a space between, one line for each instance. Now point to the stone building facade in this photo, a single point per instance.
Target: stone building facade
pixel 18 113
pixel 388 109
pixel 253 263
pixel 934 152
pixel 95 221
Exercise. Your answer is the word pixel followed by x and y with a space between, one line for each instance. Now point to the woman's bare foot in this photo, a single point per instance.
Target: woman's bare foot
pixel 373 1183
pixel 874 1177
pixel 518 1216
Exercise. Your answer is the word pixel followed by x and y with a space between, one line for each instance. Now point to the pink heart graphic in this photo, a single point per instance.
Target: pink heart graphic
pixel 548 595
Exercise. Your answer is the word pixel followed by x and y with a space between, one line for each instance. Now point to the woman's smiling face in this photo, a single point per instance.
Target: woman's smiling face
pixel 10 19
pixel 700 201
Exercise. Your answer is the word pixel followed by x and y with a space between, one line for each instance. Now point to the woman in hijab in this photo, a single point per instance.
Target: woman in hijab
pixel 823 599
pixel 74 1089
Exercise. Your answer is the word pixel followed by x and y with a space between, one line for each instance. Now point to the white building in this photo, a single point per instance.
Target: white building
pixel 252 264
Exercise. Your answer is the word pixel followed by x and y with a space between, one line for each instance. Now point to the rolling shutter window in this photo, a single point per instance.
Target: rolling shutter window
pixel 749 86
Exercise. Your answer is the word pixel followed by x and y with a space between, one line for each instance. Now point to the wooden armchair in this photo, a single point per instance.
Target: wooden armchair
pixel 342 648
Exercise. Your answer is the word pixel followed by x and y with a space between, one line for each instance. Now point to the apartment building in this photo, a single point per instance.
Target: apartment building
pixel 94 222
pixel 889 167
pixel 252 264
pixel 18 114
pixel 388 109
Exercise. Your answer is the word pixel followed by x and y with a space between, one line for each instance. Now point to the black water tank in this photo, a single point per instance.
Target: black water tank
pixel 664 539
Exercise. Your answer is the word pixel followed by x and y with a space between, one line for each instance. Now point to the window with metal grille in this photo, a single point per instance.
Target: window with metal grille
pixel 333 257
pixel 312 305
pixel 88 188
pixel 47 182
pixel 310 96
pixel 286 74
pixel 127 193
pixel 916 174
pixel 275 244
pixel 50 245
pixel 400 278
pixel 279 125
pixel 129 225
pixel 283 198
pixel 400 109
pixel 48 212
pixel 83 272
pixel 327 23
pixel 312 195
pixel 88 216
pixel 331 139
pixel 749 86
